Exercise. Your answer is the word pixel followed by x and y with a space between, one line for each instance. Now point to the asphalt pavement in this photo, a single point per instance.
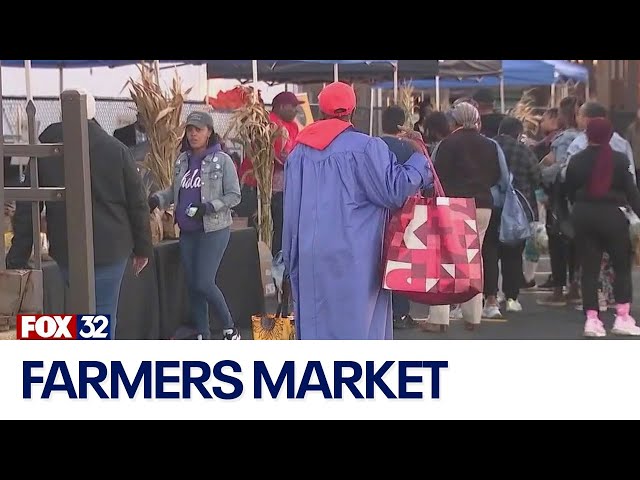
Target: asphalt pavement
pixel 535 322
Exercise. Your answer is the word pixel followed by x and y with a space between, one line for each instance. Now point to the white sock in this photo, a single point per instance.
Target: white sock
pixel 228 331
pixel 529 270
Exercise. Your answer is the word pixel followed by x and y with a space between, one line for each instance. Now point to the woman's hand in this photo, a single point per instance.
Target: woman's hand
pixel 138 264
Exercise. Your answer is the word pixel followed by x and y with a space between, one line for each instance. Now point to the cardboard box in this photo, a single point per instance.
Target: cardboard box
pixel 20 292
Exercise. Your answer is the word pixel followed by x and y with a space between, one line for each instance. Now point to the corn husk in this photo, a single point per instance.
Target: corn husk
pixel 525 111
pixel 407 103
pixel 252 128
pixel 160 113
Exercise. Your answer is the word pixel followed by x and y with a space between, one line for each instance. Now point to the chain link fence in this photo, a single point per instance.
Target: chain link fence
pixel 111 113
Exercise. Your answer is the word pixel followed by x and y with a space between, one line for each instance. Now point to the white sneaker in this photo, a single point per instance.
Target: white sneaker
pixel 455 314
pixel 594 328
pixel 231 334
pixel 513 305
pixel 491 311
pixel 625 326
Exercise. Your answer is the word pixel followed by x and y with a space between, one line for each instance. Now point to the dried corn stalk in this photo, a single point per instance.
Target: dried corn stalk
pixel 252 128
pixel 407 103
pixel 525 111
pixel 160 113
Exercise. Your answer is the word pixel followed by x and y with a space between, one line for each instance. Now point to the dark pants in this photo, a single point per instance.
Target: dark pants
pixel 400 305
pixel 201 255
pixel 277 213
pixel 562 256
pixel 603 228
pixel 249 205
pixel 108 279
pixel 509 256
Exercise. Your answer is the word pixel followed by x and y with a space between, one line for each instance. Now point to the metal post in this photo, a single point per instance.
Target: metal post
pixel 82 297
pixel 33 176
pixel 2 244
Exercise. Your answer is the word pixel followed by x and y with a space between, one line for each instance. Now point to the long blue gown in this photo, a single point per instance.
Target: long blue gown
pixel 340 186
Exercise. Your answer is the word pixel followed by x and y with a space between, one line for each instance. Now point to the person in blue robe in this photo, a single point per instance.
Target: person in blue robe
pixel 340 188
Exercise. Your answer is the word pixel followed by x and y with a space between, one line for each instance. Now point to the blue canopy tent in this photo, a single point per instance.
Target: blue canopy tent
pixel 515 73
pixel 568 71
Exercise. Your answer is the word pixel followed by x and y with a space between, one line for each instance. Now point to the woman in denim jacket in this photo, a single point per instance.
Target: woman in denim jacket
pixel 204 190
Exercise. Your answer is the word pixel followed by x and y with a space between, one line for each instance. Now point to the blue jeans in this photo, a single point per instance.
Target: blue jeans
pixel 201 255
pixel 108 279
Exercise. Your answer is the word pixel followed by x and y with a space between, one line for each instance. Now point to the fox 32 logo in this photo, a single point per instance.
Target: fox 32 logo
pixel 63 327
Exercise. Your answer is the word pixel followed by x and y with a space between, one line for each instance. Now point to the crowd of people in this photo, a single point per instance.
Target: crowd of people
pixel 587 224
pixel 340 185
pixel 333 191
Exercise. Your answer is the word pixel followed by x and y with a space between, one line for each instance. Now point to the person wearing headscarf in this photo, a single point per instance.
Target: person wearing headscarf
pixel 340 188
pixel 468 166
pixel 599 184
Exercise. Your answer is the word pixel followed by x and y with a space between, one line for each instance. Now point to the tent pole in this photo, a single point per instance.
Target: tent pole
pixel 502 93
pixel 335 72
pixel 438 92
pixel 373 95
pixel 379 107
pixel 395 83
pixel 156 69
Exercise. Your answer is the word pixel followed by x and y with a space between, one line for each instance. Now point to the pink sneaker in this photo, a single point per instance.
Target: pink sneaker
pixel 593 327
pixel 625 325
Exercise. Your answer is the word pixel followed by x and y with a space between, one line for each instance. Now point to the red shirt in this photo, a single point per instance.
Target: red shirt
pixel 284 145
pixel 245 167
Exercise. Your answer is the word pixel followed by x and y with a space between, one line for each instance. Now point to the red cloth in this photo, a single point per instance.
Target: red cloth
pixel 283 146
pixel 246 166
pixel 320 134
pixel 599 132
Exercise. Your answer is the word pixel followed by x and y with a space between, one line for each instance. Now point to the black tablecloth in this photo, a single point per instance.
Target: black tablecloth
pixel 154 304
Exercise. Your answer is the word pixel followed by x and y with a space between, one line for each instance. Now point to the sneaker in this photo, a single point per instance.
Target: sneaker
pixel 403 322
pixel 491 311
pixel 625 326
pixel 553 300
pixel 231 334
pixel 513 305
pixel 529 285
pixel 548 285
pixel 593 327
pixel 455 314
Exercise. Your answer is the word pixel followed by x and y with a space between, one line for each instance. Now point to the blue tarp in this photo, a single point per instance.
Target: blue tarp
pixel 516 73
pixel 569 71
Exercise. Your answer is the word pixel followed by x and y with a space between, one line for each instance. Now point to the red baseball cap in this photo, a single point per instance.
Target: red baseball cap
pixel 337 99
pixel 285 98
